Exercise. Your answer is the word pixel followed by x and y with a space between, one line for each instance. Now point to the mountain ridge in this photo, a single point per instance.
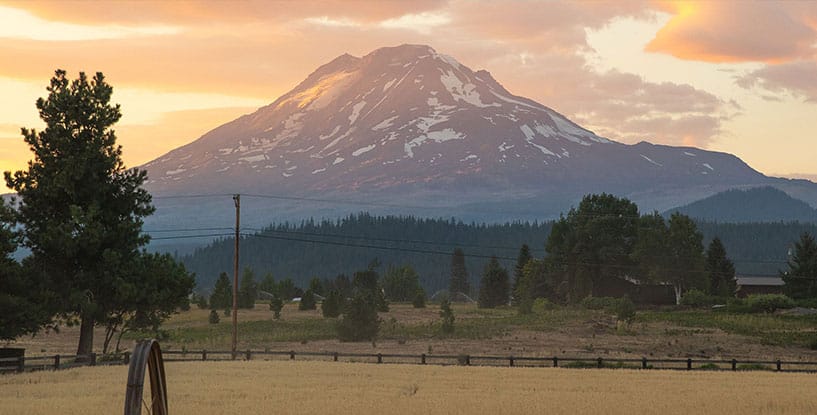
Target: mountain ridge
pixel 406 125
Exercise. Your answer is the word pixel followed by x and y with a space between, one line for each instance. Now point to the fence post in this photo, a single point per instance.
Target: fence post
pixel 379 358
pixel 56 362
pixel 292 355
pixel 203 354
pixel 601 364
pixel 555 361
pixel 249 354
pixel 468 360
pixel 734 364
pixel 510 361
pixel 423 359
pixel 335 356
pixel 21 364
pixel 778 365
pixel 643 362
pixel 126 358
pixel 93 359
pixel 689 364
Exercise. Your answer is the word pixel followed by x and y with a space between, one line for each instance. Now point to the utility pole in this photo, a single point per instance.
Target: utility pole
pixel 237 200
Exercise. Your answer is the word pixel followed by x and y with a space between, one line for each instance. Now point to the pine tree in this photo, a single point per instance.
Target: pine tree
pixel 522 260
pixel 720 270
pixel 81 209
pixel 276 304
pixel 446 317
pixel 419 300
pixel 222 296
pixel 801 278
pixel 247 290
pixel 493 290
pixel 332 305
pixel 459 275
pixel 307 301
pixel 360 320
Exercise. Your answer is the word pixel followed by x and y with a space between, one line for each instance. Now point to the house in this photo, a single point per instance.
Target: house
pixel 758 284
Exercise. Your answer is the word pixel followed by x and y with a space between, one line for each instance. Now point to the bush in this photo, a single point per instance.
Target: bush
pixel 447 317
pixel 625 310
pixel 696 298
pixel 332 304
pixel 360 321
pixel 599 303
pixel 214 317
pixel 540 305
pixel 524 305
pixel 275 305
pixel 419 300
pixel 307 301
pixel 737 305
pixel 768 303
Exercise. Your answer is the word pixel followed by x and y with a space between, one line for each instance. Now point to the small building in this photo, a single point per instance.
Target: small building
pixel 758 284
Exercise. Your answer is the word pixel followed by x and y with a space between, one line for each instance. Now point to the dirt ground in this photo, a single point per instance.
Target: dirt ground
pixel 595 337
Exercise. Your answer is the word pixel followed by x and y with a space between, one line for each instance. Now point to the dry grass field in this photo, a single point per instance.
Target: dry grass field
pixel 205 388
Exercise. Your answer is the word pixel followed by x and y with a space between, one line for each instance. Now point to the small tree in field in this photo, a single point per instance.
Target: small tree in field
pixel 360 321
pixel 275 305
pixel 446 317
pixel 307 301
pixel 419 300
pixel 214 319
pixel 493 290
pixel 332 304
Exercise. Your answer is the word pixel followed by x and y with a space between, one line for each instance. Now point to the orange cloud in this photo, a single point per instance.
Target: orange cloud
pixel 770 32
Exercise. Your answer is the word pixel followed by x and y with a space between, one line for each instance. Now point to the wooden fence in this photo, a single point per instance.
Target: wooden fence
pixel 56 362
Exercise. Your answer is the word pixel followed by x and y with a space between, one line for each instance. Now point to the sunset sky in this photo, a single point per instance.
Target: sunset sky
pixel 737 77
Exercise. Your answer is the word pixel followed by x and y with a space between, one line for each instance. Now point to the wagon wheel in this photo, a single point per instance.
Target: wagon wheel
pixel 146 354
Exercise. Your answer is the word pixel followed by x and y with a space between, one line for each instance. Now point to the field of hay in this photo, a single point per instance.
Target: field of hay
pixel 241 387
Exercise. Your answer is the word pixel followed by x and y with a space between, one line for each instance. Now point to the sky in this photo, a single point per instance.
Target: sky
pixel 738 77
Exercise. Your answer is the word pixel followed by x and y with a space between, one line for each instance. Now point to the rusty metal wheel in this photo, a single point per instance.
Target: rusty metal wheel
pixel 146 355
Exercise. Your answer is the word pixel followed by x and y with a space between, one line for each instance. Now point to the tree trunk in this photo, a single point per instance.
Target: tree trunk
pixel 86 336
pixel 677 289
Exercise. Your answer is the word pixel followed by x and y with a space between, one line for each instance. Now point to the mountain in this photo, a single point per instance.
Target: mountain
pixel 761 204
pixel 406 130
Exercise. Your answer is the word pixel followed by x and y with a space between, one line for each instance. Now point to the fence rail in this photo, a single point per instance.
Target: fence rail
pixel 56 362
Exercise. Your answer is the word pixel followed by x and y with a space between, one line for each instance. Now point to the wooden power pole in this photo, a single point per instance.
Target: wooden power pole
pixel 237 200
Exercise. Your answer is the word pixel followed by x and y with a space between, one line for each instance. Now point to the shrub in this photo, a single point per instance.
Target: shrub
pixel 227 312
pixel 540 305
pixel 625 310
pixel 307 301
pixel 524 305
pixel 360 321
pixel 696 298
pixel 599 303
pixel 214 317
pixel 768 303
pixel 737 305
pixel 447 317
pixel 332 304
pixel 275 305
pixel 419 300
pixel 811 343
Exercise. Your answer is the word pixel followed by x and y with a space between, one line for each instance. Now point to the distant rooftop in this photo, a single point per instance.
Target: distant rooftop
pixel 767 280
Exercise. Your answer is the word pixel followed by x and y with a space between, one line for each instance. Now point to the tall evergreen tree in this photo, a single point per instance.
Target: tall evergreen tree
pixel 80 207
pixel 247 289
pixel 401 283
pixel 267 284
pixel 459 275
pixel 521 260
pixel 493 290
pixel 801 278
pixel 222 296
pixel 720 270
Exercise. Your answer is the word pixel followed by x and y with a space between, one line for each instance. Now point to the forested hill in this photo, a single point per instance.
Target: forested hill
pixel 328 248
pixel 762 204
pixel 324 249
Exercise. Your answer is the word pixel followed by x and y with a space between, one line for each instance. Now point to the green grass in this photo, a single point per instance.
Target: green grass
pixel 770 329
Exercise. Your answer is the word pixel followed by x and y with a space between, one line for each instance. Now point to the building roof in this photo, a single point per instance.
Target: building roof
pixel 764 280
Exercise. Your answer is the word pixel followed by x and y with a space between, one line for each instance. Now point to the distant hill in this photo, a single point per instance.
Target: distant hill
pixel 761 204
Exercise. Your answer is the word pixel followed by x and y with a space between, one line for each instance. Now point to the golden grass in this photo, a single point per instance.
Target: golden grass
pixel 204 388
